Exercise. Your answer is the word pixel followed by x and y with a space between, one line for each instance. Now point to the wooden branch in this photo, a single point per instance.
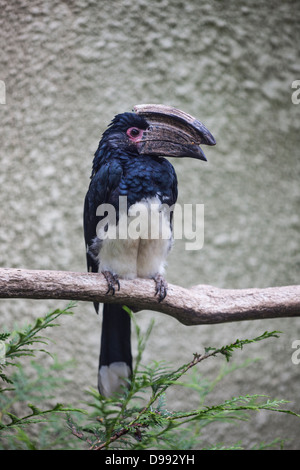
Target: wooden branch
pixel 198 305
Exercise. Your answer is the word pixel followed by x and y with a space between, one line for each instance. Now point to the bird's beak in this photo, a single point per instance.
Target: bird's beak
pixel 172 132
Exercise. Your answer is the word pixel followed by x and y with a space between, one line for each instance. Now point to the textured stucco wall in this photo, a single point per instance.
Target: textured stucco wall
pixel 68 68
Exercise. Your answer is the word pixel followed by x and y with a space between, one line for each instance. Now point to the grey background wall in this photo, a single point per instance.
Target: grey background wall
pixel 68 68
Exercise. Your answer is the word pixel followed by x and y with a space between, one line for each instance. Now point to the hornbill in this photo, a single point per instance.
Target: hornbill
pixel 129 162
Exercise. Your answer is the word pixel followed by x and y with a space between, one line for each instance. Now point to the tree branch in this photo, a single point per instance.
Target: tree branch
pixel 198 305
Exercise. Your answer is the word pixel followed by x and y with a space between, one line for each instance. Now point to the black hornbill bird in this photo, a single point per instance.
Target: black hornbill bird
pixel 129 162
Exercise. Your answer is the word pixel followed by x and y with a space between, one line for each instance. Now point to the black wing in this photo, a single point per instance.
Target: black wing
pixel 103 188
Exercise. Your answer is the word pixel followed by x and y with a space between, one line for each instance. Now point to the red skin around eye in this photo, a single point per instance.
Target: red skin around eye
pixel 135 134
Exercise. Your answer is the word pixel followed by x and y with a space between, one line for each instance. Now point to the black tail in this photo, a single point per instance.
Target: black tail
pixel 115 352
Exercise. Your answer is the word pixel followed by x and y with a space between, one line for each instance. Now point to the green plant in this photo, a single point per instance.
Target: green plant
pixel 137 419
pixel 37 388
pixel 140 420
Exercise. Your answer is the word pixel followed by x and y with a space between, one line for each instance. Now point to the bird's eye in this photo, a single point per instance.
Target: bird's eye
pixel 133 132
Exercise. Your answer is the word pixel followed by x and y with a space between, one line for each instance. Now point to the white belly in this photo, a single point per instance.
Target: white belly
pixel 143 252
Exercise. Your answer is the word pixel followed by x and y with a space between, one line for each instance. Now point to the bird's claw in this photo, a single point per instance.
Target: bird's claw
pixel 112 281
pixel 161 287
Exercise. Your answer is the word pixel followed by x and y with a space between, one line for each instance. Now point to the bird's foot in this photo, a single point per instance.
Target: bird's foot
pixel 161 286
pixel 112 282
